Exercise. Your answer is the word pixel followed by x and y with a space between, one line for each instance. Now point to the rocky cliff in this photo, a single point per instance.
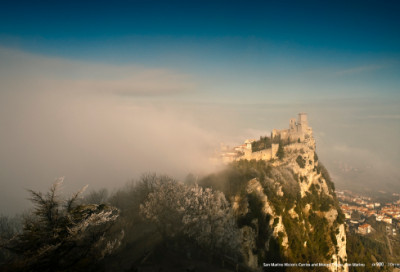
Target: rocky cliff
pixel 288 211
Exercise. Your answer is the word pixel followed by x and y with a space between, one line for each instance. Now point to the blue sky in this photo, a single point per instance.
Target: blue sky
pixel 225 45
pixel 359 26
pixel 101 91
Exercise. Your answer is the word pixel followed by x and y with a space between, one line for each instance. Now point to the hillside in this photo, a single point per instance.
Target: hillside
pixel 287 209
pixel 254 214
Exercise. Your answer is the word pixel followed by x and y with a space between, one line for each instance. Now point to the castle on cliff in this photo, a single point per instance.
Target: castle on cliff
pixel 296 135
pixel 297 130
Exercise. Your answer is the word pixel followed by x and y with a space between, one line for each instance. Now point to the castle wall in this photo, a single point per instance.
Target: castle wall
pixel 297 131
pixel 270 153
pixel 294 146
pixel 297 135
pixel 265 154
pixel 284 133
pixel 275 132
pixel 274 149
pixel 300 128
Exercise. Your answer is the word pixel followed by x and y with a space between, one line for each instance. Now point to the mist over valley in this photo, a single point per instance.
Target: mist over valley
pixel 194 137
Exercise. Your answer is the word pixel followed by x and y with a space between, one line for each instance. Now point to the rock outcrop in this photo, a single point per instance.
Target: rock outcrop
pixel 289 212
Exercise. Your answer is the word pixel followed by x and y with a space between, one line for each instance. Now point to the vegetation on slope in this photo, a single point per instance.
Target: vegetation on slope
pixel 159 215
pixel 61 235
pixel 310 236
pixel 312 244
pixel 363 249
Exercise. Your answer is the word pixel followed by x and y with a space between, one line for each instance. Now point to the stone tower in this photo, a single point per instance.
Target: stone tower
pixel 293 125
pixel 303 121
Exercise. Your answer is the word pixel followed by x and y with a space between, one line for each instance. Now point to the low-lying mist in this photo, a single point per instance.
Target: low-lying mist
pixel 54 123
pixel 91 141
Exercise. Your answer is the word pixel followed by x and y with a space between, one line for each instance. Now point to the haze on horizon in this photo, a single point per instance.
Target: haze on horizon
pixel 100 94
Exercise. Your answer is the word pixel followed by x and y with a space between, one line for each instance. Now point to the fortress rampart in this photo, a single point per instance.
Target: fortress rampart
pixel 270 153
pixel 298 132
pixel 266 154
pixel 294 138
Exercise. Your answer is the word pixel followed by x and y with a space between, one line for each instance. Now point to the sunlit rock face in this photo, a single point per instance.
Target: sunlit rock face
pixel 290 212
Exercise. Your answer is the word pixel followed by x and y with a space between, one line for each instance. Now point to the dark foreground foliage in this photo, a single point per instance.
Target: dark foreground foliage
pixel 52 241
pixel 61 235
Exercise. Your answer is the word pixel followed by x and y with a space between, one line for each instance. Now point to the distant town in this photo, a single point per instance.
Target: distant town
pixel 359 210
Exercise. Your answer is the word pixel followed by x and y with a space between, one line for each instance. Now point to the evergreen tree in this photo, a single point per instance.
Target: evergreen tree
pixel 61 234
pixel 281 152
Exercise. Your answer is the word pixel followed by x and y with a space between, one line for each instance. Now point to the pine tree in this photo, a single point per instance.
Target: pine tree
pixel 61 234
pixel 281 152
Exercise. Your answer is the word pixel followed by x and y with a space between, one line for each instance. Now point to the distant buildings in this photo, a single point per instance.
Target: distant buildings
pixel 387 220
pixel 364 205
pixel 241 148
pixel 370 206
pixel 364 229
pixel 347 211
pixel 370 213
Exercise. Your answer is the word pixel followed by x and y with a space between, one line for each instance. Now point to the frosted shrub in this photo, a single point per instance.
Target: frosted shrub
pixel 209 219
pixel 164 206
pixel 200 213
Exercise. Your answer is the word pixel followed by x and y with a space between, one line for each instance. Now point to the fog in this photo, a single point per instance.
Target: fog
pixel 102 125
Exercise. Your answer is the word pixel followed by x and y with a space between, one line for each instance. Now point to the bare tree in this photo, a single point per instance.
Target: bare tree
pixel 201 213
pixel 135 192
pixel 9 227
pixel 96 197
pixel 163 206
pixel 209 219
pixel 147 184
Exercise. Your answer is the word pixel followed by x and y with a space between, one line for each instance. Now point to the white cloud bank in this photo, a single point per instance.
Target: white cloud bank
pixel 67 118
pixel 101 125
